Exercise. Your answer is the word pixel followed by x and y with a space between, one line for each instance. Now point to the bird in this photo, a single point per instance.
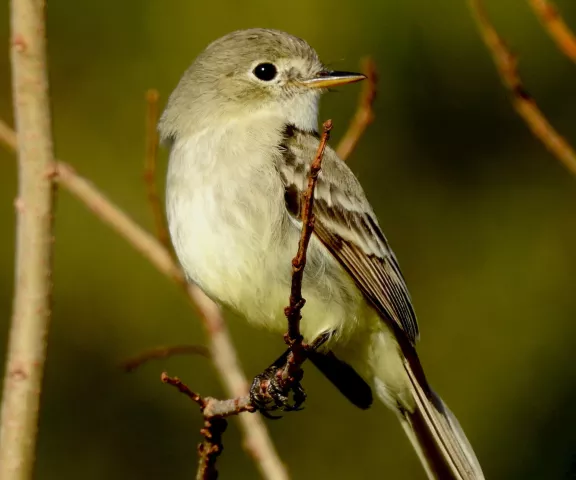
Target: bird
pixel 242 130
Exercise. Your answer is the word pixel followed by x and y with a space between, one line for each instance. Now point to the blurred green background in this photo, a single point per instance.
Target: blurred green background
pixel 480 215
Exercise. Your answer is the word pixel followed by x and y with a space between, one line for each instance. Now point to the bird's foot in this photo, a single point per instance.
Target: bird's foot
pixel 279 387
pixel 274 390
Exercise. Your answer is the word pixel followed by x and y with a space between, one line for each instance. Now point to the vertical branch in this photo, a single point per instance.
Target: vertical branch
pixel 557 28
pixel 524 104
pixel 364 115
pixel 34 238
pixel 293 311
pixel 150 163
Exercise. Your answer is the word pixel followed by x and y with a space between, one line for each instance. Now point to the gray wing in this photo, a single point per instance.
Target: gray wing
pixel 347 226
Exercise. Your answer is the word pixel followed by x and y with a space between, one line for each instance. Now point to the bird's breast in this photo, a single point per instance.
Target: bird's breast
pixel 234 238
pixel 228 223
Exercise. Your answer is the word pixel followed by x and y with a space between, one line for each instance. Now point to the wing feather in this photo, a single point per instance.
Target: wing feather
pixel 347 226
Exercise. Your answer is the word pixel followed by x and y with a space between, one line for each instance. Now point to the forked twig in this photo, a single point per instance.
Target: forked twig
pixel 524 104
pixel 215 424
pixel 364 115
pixel 556 26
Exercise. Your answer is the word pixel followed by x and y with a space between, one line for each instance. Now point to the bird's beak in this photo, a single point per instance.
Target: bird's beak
pixel 327 79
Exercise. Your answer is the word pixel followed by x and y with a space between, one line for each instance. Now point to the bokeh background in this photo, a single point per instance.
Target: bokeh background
pixel 480 215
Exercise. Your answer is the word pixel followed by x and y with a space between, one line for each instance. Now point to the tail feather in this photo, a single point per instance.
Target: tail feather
pixel 433 430
pixel 437 436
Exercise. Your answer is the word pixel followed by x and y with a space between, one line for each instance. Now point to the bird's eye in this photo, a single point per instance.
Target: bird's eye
pixel 265 71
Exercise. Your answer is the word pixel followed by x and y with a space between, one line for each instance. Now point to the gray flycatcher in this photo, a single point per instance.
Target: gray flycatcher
pixel 242 130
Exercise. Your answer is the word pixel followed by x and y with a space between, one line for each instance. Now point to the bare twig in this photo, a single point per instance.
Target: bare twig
pixel 182 388
pixel 34 242
pixel 557 28
pixel 150 163
pixel 256 439
pixel 364 115
pixel 211 448
pixel 158 353
pixel 215 425
pixel 293 311
pixel 211 407
pixel 521 99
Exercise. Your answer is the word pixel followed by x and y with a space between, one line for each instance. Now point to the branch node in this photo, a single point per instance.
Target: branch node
pixel 556 26
pixel 215 424
pixel 524 103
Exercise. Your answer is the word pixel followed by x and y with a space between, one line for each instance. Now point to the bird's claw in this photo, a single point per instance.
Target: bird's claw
pixel 271 392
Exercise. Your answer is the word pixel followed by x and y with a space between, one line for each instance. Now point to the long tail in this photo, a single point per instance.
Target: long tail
pixel 432 428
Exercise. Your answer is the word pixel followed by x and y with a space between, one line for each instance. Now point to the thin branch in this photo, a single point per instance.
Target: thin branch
pixel 364 115
pixel 293 310
pixel 524 104
pixel 34 242
pixel 211 407
pixel 160 353
pixel 215 425
pixel 292 372
pixel 256 438
pixel 182 388
pixel 557 28
pixel 150 164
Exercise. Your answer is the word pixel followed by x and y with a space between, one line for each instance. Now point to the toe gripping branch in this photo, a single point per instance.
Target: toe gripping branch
pixel 279 386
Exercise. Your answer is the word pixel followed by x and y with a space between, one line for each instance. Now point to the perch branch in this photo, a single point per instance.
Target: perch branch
pixel 257 441
pixel 364 115
pixel 34 242
pixel 293 311
pixel 557 28
pixel 150 167
pixel 524 104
